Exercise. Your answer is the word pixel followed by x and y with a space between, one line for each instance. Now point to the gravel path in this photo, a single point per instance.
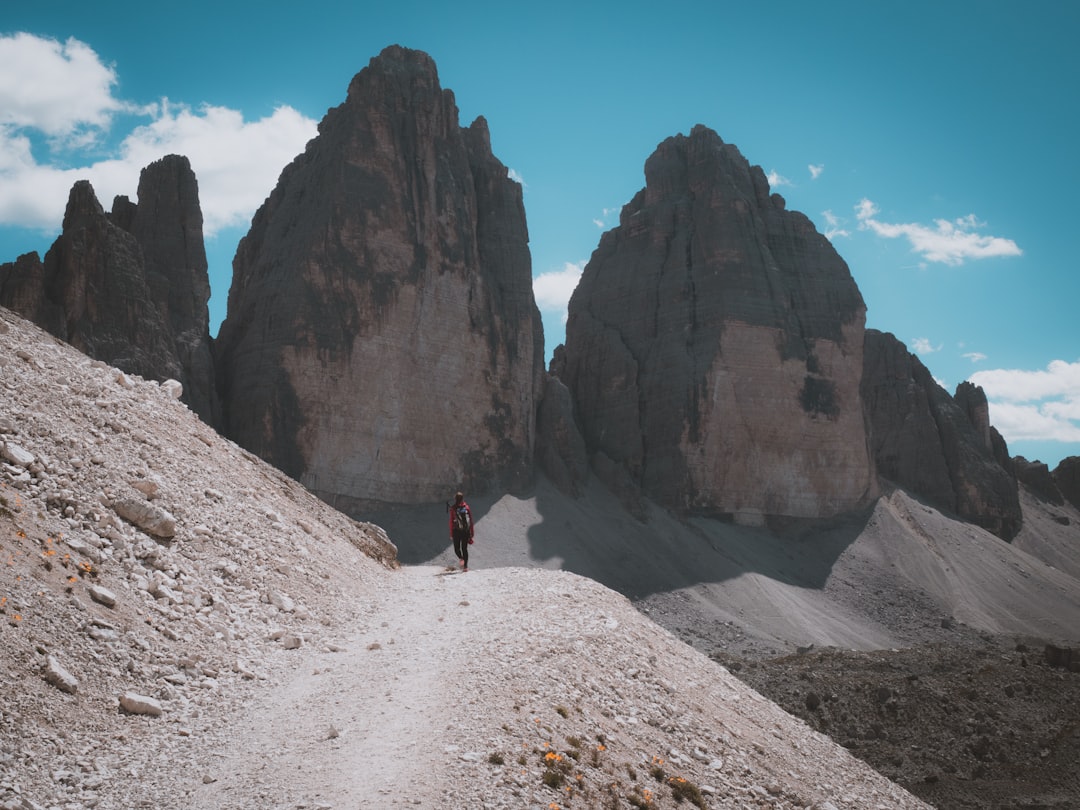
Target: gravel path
pixel 512 688
pixel 354 724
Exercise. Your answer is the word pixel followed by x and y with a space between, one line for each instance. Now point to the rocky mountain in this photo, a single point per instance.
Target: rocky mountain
pixel 714 346
pixel 92 292
pixel 183 625
pixel 128 287
pixel 382 341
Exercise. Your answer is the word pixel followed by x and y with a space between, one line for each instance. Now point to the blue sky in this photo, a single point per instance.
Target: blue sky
pixel 935 143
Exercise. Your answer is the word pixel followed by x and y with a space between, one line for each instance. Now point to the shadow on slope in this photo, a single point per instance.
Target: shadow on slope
pixel 897 574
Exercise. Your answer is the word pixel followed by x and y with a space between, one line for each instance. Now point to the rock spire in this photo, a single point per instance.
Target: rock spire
pixel 382 342
pixel 714 345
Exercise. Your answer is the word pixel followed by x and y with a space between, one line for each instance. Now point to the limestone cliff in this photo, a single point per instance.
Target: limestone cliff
pixel 382 342
pixel 940 448
pixel 168 225
pixel 714 346
pixel 128 287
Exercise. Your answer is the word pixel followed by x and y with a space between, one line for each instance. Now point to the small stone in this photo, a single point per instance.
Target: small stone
pixel 174 388
pixel 140 704
pixel 292 641
pixel 102 596
pixel 16 455
pixel 150 519
pixel 60 677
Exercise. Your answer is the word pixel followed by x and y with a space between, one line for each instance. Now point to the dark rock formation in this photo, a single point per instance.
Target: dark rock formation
pixel 560 449
pixel 23 290
pixel 382 342
pixel 167 223
pixel 91 291
pixel 926 442
pixel 714 345
pixel 1067 479
pixel 131 287
pixel 1037 477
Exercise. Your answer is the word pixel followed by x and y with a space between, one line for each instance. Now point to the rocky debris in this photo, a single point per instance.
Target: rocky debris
pixel 1067 479
pixel 93 608
pixel 924 441
pixel 975 724
pixel 714 345
pixel 382 342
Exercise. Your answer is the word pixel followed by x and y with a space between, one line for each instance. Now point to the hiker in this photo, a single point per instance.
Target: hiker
pixel 461 529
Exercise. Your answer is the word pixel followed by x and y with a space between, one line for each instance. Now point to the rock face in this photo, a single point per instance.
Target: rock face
pixel 1038 478
pixel 382 342
pixel 131 287
pixel 940 448
pixel 91 291
pixel 714 346
pixel 168 225
pixel 1067 478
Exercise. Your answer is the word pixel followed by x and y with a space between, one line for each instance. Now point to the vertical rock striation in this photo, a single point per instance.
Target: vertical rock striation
pixel 714 345
pixel 382 342
pixel 168 225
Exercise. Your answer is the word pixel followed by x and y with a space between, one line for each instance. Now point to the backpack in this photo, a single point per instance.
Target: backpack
pixel 461 518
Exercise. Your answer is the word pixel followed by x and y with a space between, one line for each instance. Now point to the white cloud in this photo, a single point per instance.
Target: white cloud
pixel 59 89
pixel 1041 405
pixel 776 179
pixel 553 289
pixel 975 357
pixel 516 177
pixel 236 162
pixel 1058 379
pixel 924 346
pixel 946 242
pixel 599 223
pixel 816 170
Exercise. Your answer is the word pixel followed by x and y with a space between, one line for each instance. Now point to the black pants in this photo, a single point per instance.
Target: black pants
pixel 461 546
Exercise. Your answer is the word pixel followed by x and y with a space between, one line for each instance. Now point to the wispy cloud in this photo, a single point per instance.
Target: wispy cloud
pixel 924 346
pixel 553 289
pixel 975 357
pixel 835 226
pixel 950 242
pixel 776 179
pixel 816 170
pixel 1042 405
pixel 605 219
pixel 514 175
pixel 236 161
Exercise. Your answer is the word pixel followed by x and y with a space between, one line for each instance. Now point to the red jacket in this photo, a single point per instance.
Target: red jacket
pixel 453 508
